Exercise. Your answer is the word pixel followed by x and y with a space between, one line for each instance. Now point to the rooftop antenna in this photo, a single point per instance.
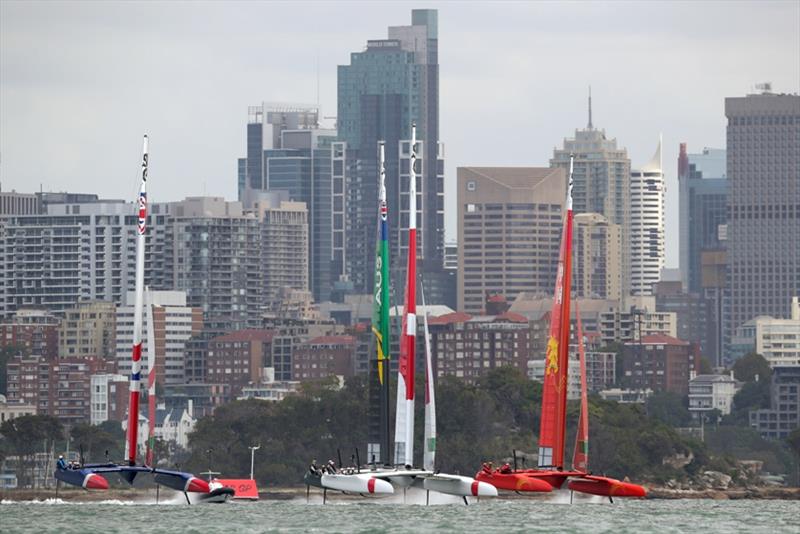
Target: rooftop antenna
pixel 590 108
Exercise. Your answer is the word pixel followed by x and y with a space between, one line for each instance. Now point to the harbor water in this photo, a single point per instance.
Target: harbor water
pixel 373 515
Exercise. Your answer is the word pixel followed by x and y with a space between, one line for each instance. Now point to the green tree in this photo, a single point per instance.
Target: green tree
pixel 7 353
pixel 750 366
pixel 94 442
pixel 669 408
pixel 26 435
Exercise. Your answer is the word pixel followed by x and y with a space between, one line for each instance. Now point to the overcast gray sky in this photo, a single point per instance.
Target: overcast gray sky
pixel 80 82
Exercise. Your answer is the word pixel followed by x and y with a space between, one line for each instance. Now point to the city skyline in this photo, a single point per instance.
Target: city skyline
pixel 73 111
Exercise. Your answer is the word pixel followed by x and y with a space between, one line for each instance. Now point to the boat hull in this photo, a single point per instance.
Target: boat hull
pixel 458 485
pixel 606 487
pixel 215 496
pixel 82 478
pixel 357 483
pixel 515 481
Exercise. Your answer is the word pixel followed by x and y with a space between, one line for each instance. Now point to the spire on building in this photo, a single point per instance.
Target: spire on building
pixel 589 127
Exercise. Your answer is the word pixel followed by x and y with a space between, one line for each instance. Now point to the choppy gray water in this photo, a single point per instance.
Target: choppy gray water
pixel 380 516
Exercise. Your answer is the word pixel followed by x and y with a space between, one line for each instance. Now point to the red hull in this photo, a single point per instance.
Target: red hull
pixel 515 481
pixel 606 487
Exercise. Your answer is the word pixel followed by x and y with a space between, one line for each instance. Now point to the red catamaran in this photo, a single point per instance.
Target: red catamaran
pixel 550 473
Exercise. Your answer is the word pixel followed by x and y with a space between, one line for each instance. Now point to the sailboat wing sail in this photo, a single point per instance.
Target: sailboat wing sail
pixel 404 421
pixel 380 312
pixel 554 396
pixel 429 452
pixel 580 458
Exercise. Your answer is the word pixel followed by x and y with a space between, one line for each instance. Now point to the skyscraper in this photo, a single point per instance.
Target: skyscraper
pixel 601 181
pixel 509 231
pixel 646 230
pixel 597 257
pixel 763 138
pixel 386 87
pixel 703 189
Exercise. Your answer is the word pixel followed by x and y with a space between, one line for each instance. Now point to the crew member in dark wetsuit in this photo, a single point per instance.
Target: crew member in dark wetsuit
pixel 331 467
pixel 314 469
pixel 61 464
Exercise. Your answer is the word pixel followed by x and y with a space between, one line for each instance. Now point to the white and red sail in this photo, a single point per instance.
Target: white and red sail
pixel 151 383
pixel 580 457
pixel 136 356
pixel 404 420
pixel 429 449
pixel 552 430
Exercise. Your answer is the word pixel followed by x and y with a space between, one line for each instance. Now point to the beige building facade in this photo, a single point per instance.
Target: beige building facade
pixel 509 231
pixel 597 257
pixel 89 330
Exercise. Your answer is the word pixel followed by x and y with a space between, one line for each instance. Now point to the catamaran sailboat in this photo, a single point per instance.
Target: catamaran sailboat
pixel 92 476
pixel 551 474
pixel 402 475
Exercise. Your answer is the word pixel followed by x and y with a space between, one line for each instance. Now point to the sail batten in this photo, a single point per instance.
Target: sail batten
pixel 552 429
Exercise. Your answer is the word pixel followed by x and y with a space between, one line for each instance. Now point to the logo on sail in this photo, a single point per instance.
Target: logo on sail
pixel 552 356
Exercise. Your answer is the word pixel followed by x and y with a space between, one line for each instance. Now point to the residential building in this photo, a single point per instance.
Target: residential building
pixel 783 415
pixel 646 231
pixel 60 388
pixel 31 331
pixel 636 320
pixel 660 363
pixel 215 258
pixel 601 180
pixel 13 203
pixel 713 283
pixel 387 86
pixel 777 340
pixel 712 392
pixel 174 323
pixel 468 347
pixel 324 356
pixel 203 398
pixel 270 389
pixel 75 252
pixel 12 410
pixel 626 396
pixel 763 253
pixel 238 358
pixel 597 257
pixel 284 254
pixel 89 330
pixel 109 393
pixel 509 232
pixel 703 190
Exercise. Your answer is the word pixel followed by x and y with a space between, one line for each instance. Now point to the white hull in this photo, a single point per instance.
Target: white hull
pixel 458 485
pixel 357 483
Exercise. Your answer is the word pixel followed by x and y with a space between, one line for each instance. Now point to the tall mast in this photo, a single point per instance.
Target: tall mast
pixel 554 395
pixel 136 356
pixel 429 449
pixel 404 421
pixel 580 458
pixel 380 311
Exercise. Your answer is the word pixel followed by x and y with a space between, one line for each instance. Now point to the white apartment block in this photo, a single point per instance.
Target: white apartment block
pixel 646 233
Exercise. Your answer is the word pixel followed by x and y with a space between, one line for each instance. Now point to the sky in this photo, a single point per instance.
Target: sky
pixel 80 82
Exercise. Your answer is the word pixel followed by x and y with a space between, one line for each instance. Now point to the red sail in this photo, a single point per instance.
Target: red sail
pixel 580 458
pixel 554 397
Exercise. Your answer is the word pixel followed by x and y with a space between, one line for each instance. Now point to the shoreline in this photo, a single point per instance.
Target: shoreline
pixel 287 493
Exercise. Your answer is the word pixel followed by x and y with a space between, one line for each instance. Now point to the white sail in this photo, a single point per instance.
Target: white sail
pixel 429 454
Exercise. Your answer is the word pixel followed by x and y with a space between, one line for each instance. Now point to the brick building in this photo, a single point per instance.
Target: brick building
pixel 659 363
pixel 34 331
pixel 239 358
pixel 468 346
pixel 324 356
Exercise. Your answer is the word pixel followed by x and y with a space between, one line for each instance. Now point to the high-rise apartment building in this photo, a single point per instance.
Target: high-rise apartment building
pixel 703 190
pixel 74 252
pixel 31 331
pixel 13 203
pixel 89 330
pixel 284 255
pixel 387 86
pixel 646 228
pixel 174 322
pixel 509 231
pixel 597 257
pixel 763 205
